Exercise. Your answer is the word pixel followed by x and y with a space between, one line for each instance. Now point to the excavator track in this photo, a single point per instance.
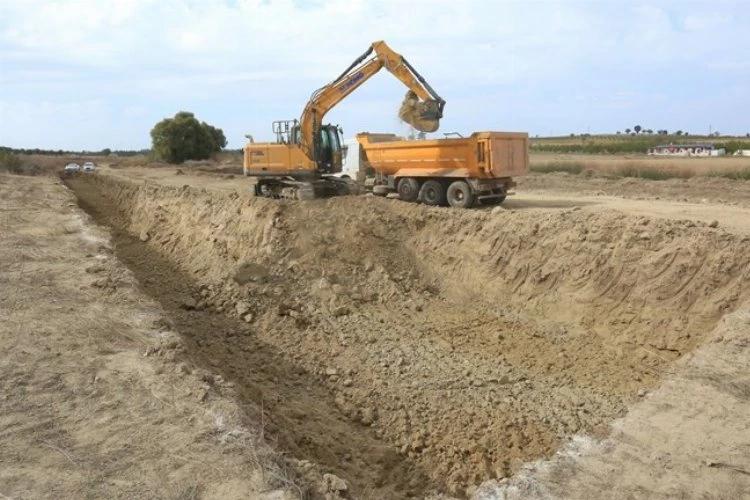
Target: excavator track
pixel 291 189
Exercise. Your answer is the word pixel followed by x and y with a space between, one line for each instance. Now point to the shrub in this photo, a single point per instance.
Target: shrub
pixel 740 175
pixel 183 137
pixel 10 162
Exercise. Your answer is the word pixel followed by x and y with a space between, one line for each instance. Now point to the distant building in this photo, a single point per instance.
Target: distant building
pixel 704 149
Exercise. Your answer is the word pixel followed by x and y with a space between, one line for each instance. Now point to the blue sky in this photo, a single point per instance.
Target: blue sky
pixel 90 74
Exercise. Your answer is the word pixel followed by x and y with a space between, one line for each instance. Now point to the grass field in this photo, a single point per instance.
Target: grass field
pixel 629 144
pixel 647 167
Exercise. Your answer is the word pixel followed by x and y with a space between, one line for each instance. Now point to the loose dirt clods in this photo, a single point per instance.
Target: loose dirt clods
pixel 415 350
pixel 412 112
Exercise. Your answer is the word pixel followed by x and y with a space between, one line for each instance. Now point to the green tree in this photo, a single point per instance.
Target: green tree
pixel 106 152
pixel 637 129
pixel 183 137
pixel 627 130
pixel 218 135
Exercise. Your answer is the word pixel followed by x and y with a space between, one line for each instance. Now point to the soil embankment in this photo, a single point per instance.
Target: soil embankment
pixel 413 349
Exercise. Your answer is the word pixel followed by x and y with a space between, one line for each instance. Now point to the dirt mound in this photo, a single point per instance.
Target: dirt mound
pixel 467 342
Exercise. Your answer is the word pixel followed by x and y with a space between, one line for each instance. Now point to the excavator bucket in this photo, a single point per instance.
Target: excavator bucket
pixel 422 115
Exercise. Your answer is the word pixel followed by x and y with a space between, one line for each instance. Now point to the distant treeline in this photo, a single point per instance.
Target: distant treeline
pixel 103 152
pixel 60 152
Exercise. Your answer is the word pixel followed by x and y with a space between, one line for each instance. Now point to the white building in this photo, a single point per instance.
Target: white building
pixel 703 149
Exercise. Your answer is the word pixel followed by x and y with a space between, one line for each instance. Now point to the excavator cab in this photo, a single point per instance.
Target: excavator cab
pixel 329 148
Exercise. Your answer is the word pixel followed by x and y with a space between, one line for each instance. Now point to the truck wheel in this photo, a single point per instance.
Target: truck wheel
pixel 408 189
pixel 460 195
pixel 380 190
pixel 433 193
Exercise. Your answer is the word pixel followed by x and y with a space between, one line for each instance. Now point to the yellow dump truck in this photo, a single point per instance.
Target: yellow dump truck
pixel 457 171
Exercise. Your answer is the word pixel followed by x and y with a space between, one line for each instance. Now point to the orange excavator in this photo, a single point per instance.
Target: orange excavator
pixel 302 162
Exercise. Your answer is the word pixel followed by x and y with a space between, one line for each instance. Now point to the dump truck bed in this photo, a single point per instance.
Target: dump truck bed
pixel 483 155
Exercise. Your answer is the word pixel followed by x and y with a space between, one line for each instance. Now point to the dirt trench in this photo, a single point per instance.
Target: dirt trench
pixel 415 350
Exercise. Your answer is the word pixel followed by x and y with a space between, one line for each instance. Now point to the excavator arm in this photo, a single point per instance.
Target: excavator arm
pixel 422 108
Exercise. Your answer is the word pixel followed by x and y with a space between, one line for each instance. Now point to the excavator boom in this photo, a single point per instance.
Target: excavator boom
pixel 422 108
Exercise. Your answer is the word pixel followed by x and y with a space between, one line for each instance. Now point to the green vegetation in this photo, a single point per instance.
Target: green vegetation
pixel 60 152
pixel 183 137
pixel 732 146
pixel 739 175
pixel 10 162
pixel 558 166
pixel 629 143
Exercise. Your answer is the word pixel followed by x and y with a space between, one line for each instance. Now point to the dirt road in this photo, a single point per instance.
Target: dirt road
pixel 436 349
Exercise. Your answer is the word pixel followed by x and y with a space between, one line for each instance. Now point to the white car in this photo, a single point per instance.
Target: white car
pixel 89 166
pixel 72 167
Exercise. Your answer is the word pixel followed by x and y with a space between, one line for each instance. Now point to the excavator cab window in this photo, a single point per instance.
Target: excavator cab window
pixel 324 141
pixel 329 148
pixel 333 135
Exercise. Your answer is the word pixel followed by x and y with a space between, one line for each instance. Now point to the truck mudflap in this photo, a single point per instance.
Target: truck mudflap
pixel 491 191
pixel 480 186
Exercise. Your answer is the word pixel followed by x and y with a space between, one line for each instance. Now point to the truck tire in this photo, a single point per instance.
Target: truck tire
pixel 433 193
pixel 408 189
pixel 460 195
pixel 380 190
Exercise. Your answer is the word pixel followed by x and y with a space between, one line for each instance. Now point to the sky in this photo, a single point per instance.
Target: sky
pixel 94 74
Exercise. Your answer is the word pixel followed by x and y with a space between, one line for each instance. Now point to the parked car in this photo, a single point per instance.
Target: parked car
pixel 89 166
pixel 72 167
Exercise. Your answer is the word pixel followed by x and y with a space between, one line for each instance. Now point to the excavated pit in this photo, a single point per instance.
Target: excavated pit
pixel 414 350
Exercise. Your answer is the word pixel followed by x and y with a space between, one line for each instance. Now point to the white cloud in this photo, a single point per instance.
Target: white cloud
pixel 705 21
pixel 450 40
pixel 271 54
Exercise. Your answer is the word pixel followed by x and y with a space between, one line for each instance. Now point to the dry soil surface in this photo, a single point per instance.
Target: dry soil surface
pixel 695 192
pixel 97 396
pixel 417 351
